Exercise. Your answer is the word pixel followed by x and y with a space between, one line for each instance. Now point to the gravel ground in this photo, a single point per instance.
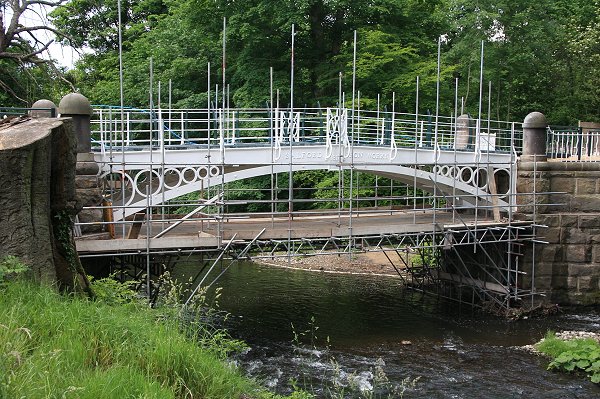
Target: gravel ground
pixel 373 263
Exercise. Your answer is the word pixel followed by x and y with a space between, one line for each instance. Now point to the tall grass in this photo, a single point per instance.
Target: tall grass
pixel 53 346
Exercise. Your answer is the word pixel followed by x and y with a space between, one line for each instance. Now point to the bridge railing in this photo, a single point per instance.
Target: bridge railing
pixel 573 144
pixel 115 128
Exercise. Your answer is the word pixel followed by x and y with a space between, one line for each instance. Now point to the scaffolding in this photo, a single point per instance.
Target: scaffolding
pixel 439 194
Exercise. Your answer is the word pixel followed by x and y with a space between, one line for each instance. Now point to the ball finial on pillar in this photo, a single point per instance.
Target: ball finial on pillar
pixel 534 136
pixel 78 107
pixel 43 109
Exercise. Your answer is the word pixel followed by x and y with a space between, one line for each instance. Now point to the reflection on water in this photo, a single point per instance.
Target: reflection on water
pixel 374 326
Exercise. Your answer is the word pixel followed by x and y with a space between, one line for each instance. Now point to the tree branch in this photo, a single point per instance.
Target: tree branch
pixel 44 3
pixel 10 91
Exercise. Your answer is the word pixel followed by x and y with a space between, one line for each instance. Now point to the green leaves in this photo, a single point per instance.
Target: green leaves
pixel 575 355
pixel 11 266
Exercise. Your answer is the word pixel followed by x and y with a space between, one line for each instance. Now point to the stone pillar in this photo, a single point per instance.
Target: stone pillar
pixel 533 182
pixel 534 137
pixel 77 107
pixel 463 132
pixel 89 193
pixel 43 109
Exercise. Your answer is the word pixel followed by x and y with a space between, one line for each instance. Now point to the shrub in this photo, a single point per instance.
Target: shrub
pixel 572 355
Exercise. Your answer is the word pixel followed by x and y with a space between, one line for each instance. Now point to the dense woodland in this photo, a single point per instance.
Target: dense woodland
pixel 539 55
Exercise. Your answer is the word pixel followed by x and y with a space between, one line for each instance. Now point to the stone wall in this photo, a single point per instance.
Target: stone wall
pixel 568 267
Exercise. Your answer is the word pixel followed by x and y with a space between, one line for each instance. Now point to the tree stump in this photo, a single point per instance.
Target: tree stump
pixel 37 199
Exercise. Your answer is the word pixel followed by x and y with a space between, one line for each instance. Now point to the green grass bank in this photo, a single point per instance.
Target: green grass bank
pixel 56 346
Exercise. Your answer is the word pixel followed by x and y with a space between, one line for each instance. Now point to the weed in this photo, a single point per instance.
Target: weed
pixel 577 354
pixel 11 266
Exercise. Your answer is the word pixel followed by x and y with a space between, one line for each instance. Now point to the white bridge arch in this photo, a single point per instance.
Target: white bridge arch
pixel 186 151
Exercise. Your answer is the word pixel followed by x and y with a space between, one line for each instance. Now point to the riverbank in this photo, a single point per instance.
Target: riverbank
pixel 564 336
pixel 58 346
pixel 369 263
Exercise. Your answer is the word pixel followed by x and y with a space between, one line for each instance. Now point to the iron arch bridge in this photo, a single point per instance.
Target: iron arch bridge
pixel 150 157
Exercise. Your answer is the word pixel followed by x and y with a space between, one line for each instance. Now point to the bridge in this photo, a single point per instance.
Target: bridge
pixel 425 190
pixel 150 157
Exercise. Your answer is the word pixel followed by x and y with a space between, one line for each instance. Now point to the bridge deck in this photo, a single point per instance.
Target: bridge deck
pixel 204 233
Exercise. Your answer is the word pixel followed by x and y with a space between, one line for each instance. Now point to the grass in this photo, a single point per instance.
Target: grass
pixel 573 355
pixel 54 346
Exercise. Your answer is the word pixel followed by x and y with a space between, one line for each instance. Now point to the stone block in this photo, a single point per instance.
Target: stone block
pixel 549 253
pixel 585 186
pixel 91 216
pixel 572 283
pixel 544 268
pixel 578 270
pixel 585 203
pixel 87 168
pixel 596 253
pixel 589 221
pixel 89 197
pixel 85 182
pixel 587 299
pixel 552 235
pixel 549 220
pixel 569 220
pixel 562 184
pixel 560 202
pixel 575 236
pixel 542 283
pixel 578 253
pixel 581 283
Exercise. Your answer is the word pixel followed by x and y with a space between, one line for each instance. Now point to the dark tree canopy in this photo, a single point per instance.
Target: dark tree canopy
pixel 539 55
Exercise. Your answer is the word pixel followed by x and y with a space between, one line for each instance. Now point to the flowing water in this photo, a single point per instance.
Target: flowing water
pixel 365 335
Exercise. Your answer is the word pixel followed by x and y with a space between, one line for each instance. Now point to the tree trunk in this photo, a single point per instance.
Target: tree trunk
pixel 37 199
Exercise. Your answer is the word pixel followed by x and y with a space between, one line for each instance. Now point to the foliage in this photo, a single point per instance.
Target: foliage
pixel 578 354
pixel 112 292
pixel 67 347
pixel 183 37
pixel 11 266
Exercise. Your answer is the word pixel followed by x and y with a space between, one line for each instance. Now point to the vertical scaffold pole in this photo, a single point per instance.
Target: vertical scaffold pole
pixel 478 142
pixel 435 140
pixel 272 140
pixel 416 152
pixel 290 137
pixel 456 171
pixel 222 132
pixel 208 132
pixel 122 103
pixel 352 145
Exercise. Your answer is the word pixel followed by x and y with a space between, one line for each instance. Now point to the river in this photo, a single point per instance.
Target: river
pixel 365 336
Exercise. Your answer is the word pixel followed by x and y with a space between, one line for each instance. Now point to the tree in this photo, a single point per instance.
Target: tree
pixel 22 47
pixel 183 37
pixel 530 56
